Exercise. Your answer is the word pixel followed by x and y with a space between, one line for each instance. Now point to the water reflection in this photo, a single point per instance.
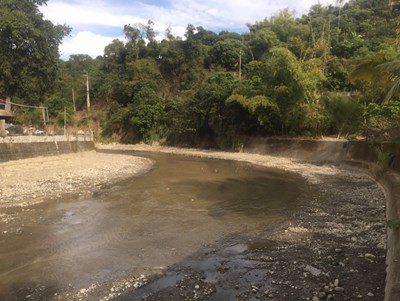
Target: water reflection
pixel 143 223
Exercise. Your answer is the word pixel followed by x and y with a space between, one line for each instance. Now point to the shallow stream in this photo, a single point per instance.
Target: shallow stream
pixel 145 224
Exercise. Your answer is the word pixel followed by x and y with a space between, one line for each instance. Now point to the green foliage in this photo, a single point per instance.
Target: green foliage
pixel 383 115
pixel 383 157
pixel 147 108
pixel 394 224
pixel 140 117
pixel 56 105
pixel 344 112
pixel 28 117
pixel 263 109
pixel 28 50
pixel 383 121
pixel 294 78
pixel 226 53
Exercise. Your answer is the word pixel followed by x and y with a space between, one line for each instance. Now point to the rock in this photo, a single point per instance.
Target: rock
pixel 338 250
pixel 359 296
pixel 312 270
pixel 322 295
pixel 368 255
pixel 329 297
pixel 197 287
pixel 370 295
pixel 336 282
pixel 339 289
pixel 315 298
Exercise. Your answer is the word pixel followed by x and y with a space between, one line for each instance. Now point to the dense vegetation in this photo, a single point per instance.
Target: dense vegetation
pixel 334 71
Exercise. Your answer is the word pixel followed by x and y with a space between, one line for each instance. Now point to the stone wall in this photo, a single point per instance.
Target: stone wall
pixel 15 151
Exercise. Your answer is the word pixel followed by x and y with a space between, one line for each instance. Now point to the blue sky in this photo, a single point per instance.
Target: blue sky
pixel 96 23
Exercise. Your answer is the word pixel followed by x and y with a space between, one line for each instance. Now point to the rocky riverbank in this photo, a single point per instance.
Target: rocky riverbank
pixel 30 181
pixel 332 249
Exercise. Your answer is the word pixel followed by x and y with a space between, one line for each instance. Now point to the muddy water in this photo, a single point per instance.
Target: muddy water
pixel 143 224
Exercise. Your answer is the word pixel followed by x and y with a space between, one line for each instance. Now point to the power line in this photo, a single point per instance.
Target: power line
pixel 45 111
pixel 26 106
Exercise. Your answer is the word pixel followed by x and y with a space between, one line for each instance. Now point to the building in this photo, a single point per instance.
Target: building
pixel 5 108
pixel 5 115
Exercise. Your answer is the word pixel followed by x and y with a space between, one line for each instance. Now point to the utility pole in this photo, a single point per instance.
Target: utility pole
pixel 73 99
pixel 87 92
pixel 240 64
pixel 65 121
pixel 43 109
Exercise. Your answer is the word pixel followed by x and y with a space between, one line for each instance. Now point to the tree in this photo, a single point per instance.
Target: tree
pixel 28 50
pixel 261 42
pixel 226 53
pixel 139 119
pixel 392 71
pixel 206 109
pixel 345 113
pixel 381 70
pixel 263 109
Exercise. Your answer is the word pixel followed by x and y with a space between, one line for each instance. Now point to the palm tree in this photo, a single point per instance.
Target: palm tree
pixel 392 71
pixel 387 73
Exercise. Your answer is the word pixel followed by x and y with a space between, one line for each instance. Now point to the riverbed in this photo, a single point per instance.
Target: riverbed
pixel 187 228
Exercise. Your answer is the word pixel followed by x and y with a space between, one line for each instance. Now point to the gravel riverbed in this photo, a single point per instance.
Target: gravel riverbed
pixel 30 181
pixel 333 249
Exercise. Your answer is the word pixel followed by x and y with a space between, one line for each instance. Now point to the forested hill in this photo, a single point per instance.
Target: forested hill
pixel 333 71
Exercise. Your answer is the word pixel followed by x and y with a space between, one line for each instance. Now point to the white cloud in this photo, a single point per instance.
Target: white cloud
pixel 95 21
pixel 85 42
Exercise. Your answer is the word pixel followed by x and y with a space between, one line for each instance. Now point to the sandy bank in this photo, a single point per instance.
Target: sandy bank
pixel 308 170
pixel 28 181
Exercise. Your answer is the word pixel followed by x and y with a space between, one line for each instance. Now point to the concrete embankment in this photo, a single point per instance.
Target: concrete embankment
pixel 391 183
pixel 24 150
pixel 361 153
pixel 337 151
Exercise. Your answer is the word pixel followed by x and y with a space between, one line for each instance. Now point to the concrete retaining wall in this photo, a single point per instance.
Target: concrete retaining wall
pixel 325 151
pixel 391 183
pixel 354 152
pixel 15 151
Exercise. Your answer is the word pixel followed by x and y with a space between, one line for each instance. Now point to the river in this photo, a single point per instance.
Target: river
pixel 183 206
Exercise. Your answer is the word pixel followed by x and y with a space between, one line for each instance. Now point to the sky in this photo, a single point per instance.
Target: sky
pixel 96 23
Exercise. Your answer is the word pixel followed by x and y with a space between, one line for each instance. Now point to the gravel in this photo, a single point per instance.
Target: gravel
pixel 29 181
pixel 333 249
